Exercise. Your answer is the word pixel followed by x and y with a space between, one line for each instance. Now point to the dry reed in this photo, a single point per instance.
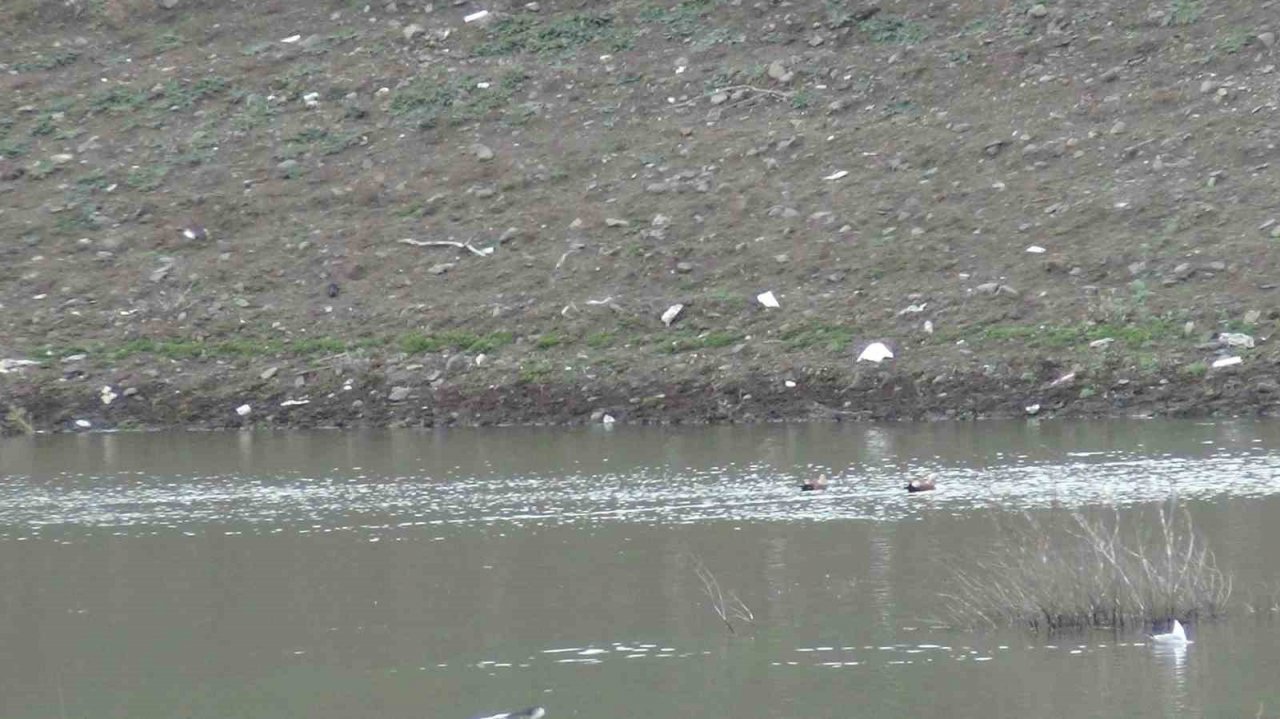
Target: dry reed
pixel 1082 570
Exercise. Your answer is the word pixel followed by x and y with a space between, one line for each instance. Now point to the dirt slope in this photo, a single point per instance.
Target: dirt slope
pixel 1059 208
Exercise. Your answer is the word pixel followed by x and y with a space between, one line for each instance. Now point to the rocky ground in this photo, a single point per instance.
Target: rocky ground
pixel 214 213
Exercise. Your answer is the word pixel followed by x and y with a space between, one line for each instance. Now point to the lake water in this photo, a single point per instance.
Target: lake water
pixel 464 572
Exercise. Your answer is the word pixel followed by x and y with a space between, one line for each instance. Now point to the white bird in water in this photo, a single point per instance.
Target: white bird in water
pixel 1176 636
pixel 529 713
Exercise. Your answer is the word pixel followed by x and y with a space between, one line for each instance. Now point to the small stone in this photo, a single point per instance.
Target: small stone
pixel 398 394
pixel 482 152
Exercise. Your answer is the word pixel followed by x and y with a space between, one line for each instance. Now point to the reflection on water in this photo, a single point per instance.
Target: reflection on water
pixel 454 574
pixel 1173 658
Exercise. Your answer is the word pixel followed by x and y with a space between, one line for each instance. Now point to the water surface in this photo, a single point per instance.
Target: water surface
pixel 448 574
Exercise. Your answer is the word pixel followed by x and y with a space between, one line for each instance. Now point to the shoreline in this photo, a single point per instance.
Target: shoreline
pixel 41 400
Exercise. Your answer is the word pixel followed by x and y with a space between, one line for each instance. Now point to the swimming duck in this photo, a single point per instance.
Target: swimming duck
pixel 923 484
pixel 1176 636
pixel 815 485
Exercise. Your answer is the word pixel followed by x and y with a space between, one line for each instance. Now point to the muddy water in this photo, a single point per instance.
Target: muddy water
pixel 447 575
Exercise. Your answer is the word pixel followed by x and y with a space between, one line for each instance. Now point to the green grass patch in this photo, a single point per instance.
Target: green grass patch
pixel 1196 369
pixel 118 99
pixel 548 340
pixel 834 338
pixel 429 101
pixel 1184 12
pixel 180 95
pixel 416 342
pixel 681 22
pixel 13 148
pixel 524 34
pixel 601 340
pixel 52 61
pixel 893 30
pixel 195 349
pixel 536 372
pixel 688 341
pixel 1139 334
pixel 146 179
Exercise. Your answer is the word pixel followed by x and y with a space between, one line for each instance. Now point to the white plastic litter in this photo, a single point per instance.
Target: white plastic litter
pixel 875 352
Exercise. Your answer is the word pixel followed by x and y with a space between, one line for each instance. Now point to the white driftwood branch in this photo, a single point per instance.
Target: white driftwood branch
pixel 480 252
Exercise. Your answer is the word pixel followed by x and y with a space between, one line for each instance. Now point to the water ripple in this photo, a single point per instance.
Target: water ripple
pixel 750 492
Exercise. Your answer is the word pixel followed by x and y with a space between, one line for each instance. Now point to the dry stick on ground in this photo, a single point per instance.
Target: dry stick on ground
pixel 723 608
pixel 448 243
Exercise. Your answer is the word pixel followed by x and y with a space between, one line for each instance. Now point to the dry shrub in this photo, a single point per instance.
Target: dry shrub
pixel 1083 569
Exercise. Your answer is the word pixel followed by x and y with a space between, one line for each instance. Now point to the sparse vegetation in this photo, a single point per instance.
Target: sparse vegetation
pixel 428 100
pixel 893 30
pixel 1091 569
pixel 297 157
pixel 833 338
pixel 1184 12
pixel 414 342
pixel 688 341
pixel 524 34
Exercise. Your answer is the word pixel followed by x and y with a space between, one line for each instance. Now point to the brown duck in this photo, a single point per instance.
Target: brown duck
pixel 923 484
pixel 815 485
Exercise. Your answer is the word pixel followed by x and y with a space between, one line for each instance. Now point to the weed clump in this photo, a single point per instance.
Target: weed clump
pixel 1083 570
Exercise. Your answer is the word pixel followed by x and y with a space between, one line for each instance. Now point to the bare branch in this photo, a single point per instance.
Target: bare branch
pixel 478 251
